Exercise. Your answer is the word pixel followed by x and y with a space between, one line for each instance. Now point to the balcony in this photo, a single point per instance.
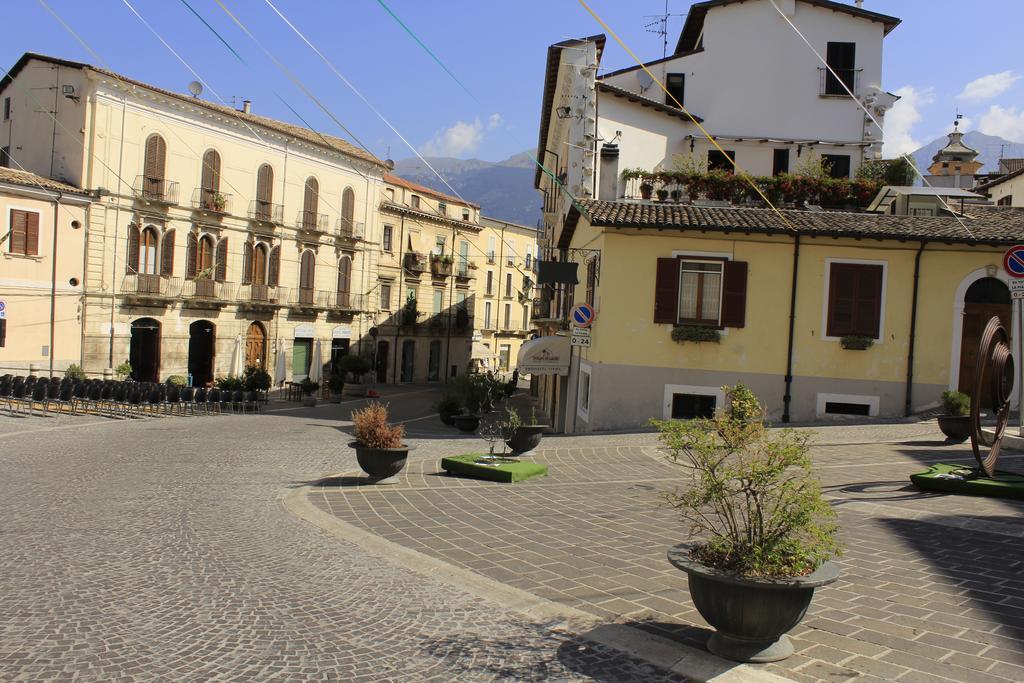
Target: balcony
pixel 349 230
pixel 211 202
pixel 156 191
pixel 309 299
pixel 311 222
pixel 542 310
pixel 490 257
pixel 261 297
pixel 344 301
pixel 464 271
pixel 150 290
pixel 207 293
pixel 414 263
pixel 265 214
pixel 830 86
pixel 439 267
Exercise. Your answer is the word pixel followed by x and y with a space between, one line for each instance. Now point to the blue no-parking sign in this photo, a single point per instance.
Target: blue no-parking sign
pixel 583 315
pixel 1013 261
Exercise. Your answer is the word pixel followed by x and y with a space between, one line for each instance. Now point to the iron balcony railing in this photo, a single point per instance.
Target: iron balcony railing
pixel 268 295
pixel 311 221
pixel 415 262
pixel 155 190
pixel 829 85
pixel 350 229
pixel 344 301
pixel 208 290
pixel 151 286
pixel 212 201
pixel 266 212
pixel 541 309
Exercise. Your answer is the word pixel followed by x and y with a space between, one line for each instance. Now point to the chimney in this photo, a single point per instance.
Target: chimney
pixel 859 3
pixel 246 106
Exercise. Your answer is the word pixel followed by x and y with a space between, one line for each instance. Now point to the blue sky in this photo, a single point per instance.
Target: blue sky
pixel 498 51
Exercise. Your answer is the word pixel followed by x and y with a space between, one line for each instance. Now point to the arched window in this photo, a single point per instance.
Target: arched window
pixel 200 257
pixel 348 210
pixel 148 250
pixel 153 183
pixel 264 193
pixel 210 184
pixel 310 204
pixel 307 273
pixel 345 281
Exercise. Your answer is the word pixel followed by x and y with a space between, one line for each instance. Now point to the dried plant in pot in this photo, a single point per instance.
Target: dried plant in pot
pixel 766 535
pixel 955 421
pixel 378 445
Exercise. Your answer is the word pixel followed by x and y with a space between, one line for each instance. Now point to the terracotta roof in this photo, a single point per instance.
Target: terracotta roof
pixel 1000 180
pixel 988 224
pixel 647 102
pixel 423 189
pixel 320 139
pixel 16 177
pixel 694 25
pixel 1011 165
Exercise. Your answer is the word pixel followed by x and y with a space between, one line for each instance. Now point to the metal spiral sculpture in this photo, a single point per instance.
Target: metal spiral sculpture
pixel 995 363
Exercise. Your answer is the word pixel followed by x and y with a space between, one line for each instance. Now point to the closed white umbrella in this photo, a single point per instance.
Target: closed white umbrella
pixel 280 365
pixel 314 365
pixel 236 359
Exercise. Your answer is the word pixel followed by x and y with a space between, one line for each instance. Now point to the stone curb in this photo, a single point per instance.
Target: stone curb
pixel 667 654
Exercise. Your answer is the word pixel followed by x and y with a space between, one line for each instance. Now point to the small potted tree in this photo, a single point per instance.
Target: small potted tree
pixel 766 534
pixel 522 438
pixel 351 367
pixel 378 445
pixel 309 389
pixel 955 422
pixel 471 391
pixel 447 407
pixel 336 385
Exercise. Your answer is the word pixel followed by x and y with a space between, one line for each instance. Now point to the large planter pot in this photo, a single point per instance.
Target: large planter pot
pixel 447 418
pixel 955 427
pixel 525 439
pixel 467 423
pixel 309 401
pixel 751 615
pixel 381 463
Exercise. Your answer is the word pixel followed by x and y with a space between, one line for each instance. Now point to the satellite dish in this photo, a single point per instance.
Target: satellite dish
pixel 196 88
pixel 645 79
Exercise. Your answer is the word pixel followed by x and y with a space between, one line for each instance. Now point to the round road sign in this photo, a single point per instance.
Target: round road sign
pixel 1013 261
pixel 583 315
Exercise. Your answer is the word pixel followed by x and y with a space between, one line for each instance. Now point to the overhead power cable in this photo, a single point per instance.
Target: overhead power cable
pixel 870 116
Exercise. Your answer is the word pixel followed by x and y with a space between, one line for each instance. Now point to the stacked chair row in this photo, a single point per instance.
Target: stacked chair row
pixel 29 395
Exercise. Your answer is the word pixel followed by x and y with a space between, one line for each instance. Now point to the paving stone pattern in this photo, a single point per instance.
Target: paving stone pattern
pixel 159 550
pixel 931 588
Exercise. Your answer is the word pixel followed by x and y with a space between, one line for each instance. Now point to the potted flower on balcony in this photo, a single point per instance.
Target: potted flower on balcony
pixel 646 189
pixel 766 534
pixel 309 389
pixel 219 202
pixel 378 445
pixel 855 342
pixel 955 422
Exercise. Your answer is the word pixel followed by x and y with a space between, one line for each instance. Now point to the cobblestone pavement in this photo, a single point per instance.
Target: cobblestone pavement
pixel 159 549
pixel 931 589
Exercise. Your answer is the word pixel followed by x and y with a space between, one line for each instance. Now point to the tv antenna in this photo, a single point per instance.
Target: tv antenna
pixel 659 26
pixel 196 88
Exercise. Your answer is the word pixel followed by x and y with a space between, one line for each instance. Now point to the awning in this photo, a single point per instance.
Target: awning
pixel 544 356
pixel 481 350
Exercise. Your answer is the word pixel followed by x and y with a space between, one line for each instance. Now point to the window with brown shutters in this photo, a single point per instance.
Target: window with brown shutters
pixel 259 265
pixel 698 290
pixel 348 208
pixel 3 332
pixel 191 254
pixel 247 263
pixel 344 279
pixel 591 280
pixel 24 227
pixel 311 203
pixel 134 237
pixel 222 260
pixel 274 267
pixel 200 257
pixel 167 254
pixel 307 273
pixel 210 182
pixel 154 168
pixel 264 192
pixel 147 263
pixel 854 299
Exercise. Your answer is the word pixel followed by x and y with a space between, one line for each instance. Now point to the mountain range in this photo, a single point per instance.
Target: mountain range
pixel 503 189
pixel 989 147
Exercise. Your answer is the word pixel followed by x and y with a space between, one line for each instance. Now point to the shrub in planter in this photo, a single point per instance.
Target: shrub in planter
pixel 662 194
pixel 74 371
pixel 309 389
pixel 124 370
pixel 379 448
pixel 766 534
pixel 856 342
pixel 447 407
pixel 695 333
pixel 955 422
pixel 351 365
pixel 229 383
pixel 256 378
pixel 177 380
pixel 520 437
pixel 646 189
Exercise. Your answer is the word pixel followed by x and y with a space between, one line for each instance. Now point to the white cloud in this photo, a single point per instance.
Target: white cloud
pixel 987 87
pixel 901 119
pixel 1006 122
pixel 460 138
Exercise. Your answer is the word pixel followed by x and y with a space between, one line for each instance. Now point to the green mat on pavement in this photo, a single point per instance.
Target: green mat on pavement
pixel 480 466
pixel 961 479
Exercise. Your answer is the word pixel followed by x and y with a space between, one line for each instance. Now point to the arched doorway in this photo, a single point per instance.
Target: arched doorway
pixel 985 298
pixel 201 349
pixel 256 346
pixel 408 360
pixel 382 361
pixel 144 350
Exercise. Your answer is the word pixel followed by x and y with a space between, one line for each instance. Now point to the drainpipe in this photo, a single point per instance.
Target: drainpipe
pixel 908 404
pixel 53 278
pixel 117 231
pixel 787 397
pixel 401 290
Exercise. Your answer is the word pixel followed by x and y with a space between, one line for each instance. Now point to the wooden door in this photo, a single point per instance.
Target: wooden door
pixel 256 347
pixel 976 316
